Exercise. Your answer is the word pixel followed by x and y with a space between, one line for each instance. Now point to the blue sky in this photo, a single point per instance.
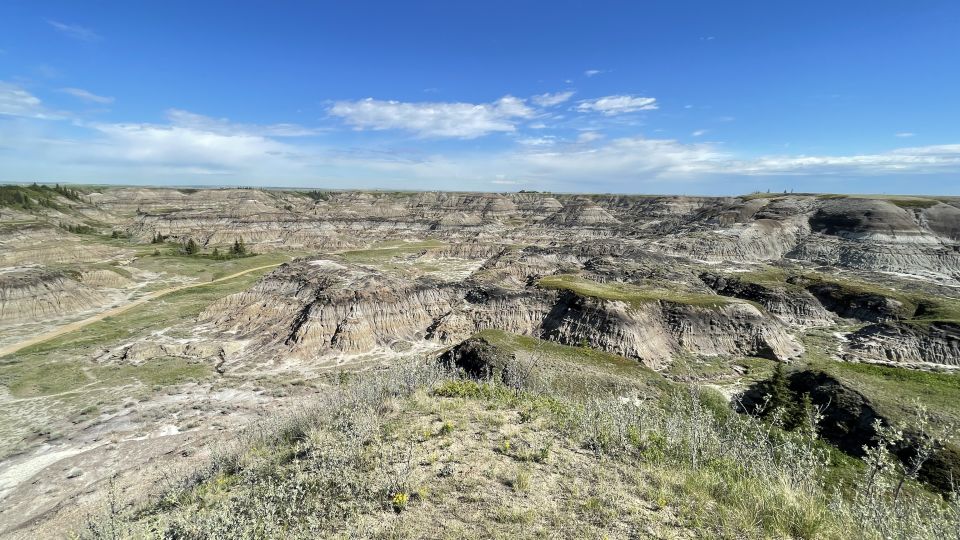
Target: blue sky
pixel 636 97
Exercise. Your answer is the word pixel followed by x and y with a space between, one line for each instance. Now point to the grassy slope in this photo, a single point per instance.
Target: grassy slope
pixel 385 251
pixel 891 390
pixel 584 369
pixel 631 294
pixel 935 308
pixel 51 367
pixel 458 459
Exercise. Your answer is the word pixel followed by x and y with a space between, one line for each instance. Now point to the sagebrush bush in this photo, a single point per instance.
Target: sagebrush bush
pixel 335 465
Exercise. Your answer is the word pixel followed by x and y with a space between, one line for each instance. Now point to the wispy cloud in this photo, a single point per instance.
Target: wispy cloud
pixel 549 100
pixel 538 141
pixel 589 137
pixel 190 145
pixel 16 101
pixel 74 31
pixel 593 72
pixel 905 134
pixel 85 95
pixel 435 119
pixel 613 105
pixel 223 126
pixel 699 133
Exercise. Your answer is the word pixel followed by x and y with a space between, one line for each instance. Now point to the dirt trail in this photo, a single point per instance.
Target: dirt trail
pixel 76 325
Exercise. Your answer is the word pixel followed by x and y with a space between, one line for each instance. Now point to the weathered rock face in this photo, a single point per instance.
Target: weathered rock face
pixel 863 306
pixel 792 305
pixel 657 331
pixel 907 343
pixel 479 358
pixel 37 294
pixel 309 308
pixel 857 233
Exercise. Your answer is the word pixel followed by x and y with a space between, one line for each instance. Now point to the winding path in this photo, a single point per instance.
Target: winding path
pixel 76 325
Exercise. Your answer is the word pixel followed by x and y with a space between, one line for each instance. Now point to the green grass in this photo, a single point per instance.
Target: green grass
pixel 155 372
pixel 631 294
pixel 892 390
pixel 49 367
pixel 582 367
pixel 914 203
pixel 41 379
pixel 206 268
pixel 384 251
pixel 158 313
pixel 919 308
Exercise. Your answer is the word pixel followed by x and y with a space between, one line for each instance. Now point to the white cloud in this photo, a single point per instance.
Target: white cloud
pixel 593 72
pixel 185 147
pixel 919 160
pixel 905 134
pixel 613 105
pixel 549 100
pixel 199 122
pixel 589 136
pixel 438 119
pixel 75 31
pixel 193 146
pixel 84 95
pixel 699 133
pixel 538 141
pixel 15 101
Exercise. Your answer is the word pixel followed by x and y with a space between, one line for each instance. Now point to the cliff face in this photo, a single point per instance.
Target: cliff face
pixel 848 232
pixel 35 295
pixel 792 306
pixel 314 307
pixel 903 343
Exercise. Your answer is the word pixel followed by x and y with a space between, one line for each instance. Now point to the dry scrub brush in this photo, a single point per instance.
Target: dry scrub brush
pixel 339 467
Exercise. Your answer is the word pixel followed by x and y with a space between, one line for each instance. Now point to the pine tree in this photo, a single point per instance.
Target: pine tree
pixel 216 253
pixel 781 397
pixel 192 247
pixel 800 413
pixel 239 249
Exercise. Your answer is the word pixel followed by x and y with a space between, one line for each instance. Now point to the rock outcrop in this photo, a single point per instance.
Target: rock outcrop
pixel 35 294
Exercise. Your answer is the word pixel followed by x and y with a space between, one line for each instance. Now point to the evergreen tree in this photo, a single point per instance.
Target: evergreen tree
pixel 216 253
pixel 192 247
pixel 239 249
pixel 800 414
pixel 781 397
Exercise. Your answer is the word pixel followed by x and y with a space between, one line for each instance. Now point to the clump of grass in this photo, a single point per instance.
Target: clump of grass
pixel 521 481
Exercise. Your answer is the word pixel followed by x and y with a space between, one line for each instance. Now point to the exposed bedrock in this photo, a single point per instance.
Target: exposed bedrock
pixel 791 305
pixel 919 238
pixel 37 294
pixel 654 332
pixel 863 306
pixel 907 343
pixel 307 308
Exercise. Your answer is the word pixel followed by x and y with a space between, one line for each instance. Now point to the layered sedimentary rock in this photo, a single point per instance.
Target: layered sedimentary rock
pixel 793 305
pixel 314 307
pixel 858 233
pixel 35 294
pixel 907 343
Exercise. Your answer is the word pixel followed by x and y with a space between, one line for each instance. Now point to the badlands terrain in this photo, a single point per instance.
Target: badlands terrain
pixel 142 330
